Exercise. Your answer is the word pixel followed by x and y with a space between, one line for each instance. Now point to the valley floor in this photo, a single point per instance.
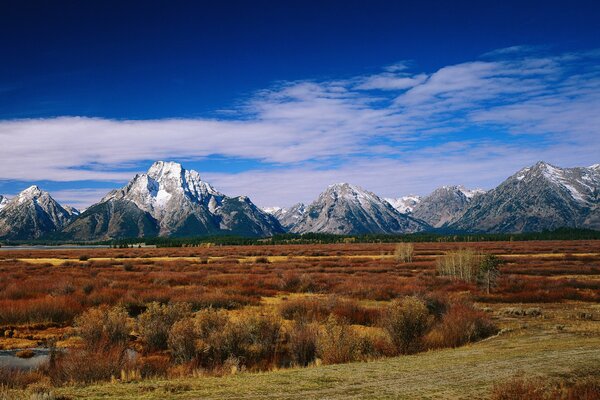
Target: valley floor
pixel 555 345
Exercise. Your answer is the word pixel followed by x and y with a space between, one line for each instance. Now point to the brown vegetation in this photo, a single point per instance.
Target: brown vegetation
pixel 256 308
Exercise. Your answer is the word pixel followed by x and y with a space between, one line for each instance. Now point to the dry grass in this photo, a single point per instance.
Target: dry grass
pixel 307 285
pixel 533 347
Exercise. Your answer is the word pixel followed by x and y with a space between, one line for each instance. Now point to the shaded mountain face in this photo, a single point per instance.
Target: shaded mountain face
pixel 404 204
pixel 445 205
pixel 536 198
pixel 170 201
pixel 348 209
pixel 31 214
pixel 288 217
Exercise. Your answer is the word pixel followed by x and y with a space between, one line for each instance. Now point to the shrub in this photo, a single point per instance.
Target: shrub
pixel 337 342
pixel 518 389
pixel 252 339
pixel 318 309
pixel 103 325
pixel 462 324
pixel 182 340
pixel 302 343
pixel 209 321
pixel 536 389
pixel 56 309
pixel 262 337
pixel 18 379
pixel 153 366
pixel 407 321
pixel 155 323
pixel 87 365
pixel 304 309
pixel 354 313
pixel 460 264
pixel 404 252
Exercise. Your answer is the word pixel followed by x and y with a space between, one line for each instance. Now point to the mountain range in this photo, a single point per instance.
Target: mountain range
pixel 171 201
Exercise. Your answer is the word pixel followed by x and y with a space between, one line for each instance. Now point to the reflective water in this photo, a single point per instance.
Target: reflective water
pixel 9 359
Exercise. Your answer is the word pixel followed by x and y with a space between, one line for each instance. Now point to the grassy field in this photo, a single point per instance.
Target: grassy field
pixel 554 345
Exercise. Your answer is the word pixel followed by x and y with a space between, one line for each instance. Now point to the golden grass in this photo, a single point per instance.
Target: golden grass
pixel 282 258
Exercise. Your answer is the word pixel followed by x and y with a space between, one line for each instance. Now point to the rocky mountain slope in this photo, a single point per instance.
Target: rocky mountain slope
pixel 288 217
pixel 444 205
pixel 536 198
pixel 31 214
pixel 3 202
pixel 170 201
pixel 349 209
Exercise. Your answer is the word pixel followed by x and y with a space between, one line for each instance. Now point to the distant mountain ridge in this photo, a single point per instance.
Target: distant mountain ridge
pixel 536 198
pixel 170 201
pixel 445 205
pixel 32 214
pixel 349 209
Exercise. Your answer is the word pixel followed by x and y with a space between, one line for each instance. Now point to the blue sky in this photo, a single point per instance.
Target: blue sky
pixel 277 100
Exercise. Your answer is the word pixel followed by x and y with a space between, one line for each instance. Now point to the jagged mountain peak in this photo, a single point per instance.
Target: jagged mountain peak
pixel 165 185
pixel 541 196
pixel 31 214
pixel 445 205
pixel 32 192
pixel 168 169
pixel 580 183
pixel 169 200
pixel 287 217
pixel 349 209
pixel 350 192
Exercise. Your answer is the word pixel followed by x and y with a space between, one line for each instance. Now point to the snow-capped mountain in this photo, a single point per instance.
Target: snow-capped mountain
pixel 169 200
pixel 3 202
pixel 288 217
pixel 349 209
pixel 404 204
pixel 536 198
pixel 445 205
pixel 31 214
pixel 273 210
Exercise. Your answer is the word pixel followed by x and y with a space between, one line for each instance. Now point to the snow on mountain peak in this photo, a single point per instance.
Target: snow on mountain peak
pixel 351 192
pixel 31 193
pixel 578 182
pixel 404 204
pixel 470 193
pixel 162 170
pixel 167 186
pixel 3 202
pixel 273 210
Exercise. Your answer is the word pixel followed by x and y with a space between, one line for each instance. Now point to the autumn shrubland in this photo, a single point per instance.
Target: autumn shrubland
pixel 129 315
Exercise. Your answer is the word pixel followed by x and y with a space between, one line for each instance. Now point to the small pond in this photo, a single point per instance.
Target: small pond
pixel 9 359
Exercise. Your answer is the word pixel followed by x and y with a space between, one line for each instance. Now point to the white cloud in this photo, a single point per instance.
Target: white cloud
pixel 393 132
pixel 80 198
pixel 389 81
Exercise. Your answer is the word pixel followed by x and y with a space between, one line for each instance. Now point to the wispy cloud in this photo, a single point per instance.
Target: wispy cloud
pixel 400 130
